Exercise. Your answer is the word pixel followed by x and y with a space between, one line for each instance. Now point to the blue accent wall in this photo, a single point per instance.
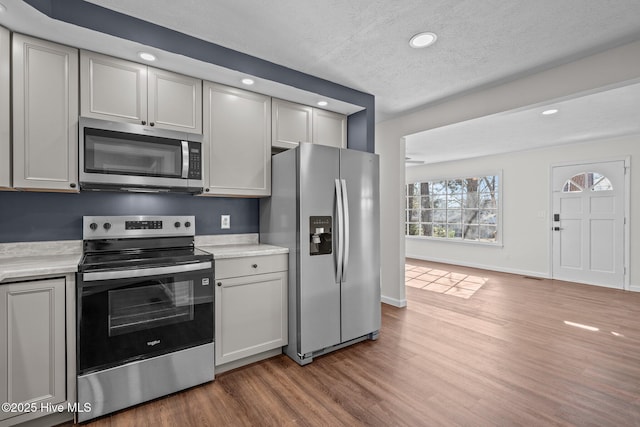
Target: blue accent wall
pixel 357 131
pixel 29 217
pixel 94 17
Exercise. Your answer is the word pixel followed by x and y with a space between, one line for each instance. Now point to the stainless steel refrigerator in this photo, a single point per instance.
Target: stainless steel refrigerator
pixel 325 208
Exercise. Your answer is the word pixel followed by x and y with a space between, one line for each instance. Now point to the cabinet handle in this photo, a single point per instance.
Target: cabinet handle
pixel 144 122
pixel 206 189
pixel 255 266
pixel 219 283
pixel 72 185
pixel 152 124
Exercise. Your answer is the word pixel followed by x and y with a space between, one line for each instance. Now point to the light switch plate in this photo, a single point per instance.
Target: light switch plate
pixel 225 221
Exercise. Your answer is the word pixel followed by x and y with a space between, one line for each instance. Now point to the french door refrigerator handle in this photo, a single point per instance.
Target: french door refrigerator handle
pixel 345 207
pixel 340 216
pixel 185 159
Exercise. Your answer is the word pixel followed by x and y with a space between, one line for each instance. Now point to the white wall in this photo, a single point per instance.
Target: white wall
pixel 525 195
pixel 597 71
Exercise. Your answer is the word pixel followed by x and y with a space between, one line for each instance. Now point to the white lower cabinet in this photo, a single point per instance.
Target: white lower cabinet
pixel 251 307
pixel 37 367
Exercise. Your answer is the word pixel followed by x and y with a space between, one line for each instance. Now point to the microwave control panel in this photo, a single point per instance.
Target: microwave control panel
pixel 195 160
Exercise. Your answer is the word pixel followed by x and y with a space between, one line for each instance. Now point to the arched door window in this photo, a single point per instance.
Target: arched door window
pixel 591 181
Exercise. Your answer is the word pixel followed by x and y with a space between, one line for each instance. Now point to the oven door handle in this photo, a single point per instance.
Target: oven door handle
pixel 144 272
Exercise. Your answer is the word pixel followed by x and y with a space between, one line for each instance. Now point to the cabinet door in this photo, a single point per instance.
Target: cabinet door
pixel 236 146
pixel 32 338
pixel 329 128
pixel 5 150
pixel 251 315
pixel 175 101
pixel 292 124
pixel 45 115
pixel 112 89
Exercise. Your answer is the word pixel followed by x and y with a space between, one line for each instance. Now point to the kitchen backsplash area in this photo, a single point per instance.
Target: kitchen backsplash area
pixel 30 217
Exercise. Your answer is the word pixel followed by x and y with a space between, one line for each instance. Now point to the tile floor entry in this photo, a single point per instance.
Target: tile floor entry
pixel 442 281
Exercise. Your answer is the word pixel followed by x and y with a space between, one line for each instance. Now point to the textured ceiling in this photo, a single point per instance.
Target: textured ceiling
pixel 363 44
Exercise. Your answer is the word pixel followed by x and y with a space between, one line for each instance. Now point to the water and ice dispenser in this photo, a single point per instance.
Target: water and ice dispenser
pixel 320 235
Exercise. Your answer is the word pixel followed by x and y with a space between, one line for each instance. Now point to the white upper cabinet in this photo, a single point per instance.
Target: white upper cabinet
pixel 237 142
pixel 5 69
pixel 45 115
pixel 174 101
pixel 291 124
pixel 329 128
pixel 294 123
pixel 115 89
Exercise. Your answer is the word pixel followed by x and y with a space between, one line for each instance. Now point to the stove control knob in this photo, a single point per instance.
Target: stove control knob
pixel 107 225
pixel 187 224
pixel 177 224
pixel 93 226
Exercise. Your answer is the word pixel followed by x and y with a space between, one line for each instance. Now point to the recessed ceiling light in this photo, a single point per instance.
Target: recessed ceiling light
pixel 146 56
pixel 549 112
pixel 422 40
pixel 248 81
pixel 323 103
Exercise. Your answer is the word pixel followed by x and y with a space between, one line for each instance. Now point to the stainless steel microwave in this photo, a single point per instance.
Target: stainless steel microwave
pixel 130 157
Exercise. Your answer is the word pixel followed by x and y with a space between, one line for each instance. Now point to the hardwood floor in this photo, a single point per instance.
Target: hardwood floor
pixel 502 357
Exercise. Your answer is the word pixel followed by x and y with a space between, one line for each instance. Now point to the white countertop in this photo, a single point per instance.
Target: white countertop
pixel 27 260
pixel 242 250
pixel 20 267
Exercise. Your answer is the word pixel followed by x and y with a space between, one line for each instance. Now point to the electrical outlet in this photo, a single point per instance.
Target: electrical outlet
pixel 225 221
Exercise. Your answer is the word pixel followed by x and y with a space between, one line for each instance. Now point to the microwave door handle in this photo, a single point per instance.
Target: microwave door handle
pixel 185 159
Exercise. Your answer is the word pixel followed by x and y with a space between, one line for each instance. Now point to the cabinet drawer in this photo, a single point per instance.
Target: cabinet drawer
pixel 245 266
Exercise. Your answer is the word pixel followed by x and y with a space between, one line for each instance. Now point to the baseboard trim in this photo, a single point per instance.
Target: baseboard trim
pixel 400 303
pixel 248 360
pixel 482 266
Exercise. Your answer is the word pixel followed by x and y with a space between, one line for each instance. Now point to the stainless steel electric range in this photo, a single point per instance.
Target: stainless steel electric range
pixel 144 311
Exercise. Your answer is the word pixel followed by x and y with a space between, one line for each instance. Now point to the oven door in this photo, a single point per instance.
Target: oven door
pixel 126 315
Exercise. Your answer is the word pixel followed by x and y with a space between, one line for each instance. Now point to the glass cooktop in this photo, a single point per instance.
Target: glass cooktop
pixel 145 258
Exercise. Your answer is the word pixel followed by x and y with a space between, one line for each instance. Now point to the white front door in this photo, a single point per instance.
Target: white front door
pixel 588 223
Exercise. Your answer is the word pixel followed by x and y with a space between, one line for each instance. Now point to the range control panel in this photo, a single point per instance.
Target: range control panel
pixel 143 225
pixel 122 227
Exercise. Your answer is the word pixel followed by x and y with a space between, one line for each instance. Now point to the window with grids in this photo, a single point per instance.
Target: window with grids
pixel 455 209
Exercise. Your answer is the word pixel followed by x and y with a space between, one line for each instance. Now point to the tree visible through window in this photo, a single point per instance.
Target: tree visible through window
pixel 462 209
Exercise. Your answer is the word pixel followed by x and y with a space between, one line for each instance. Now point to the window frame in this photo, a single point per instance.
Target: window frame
pixel 456 240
